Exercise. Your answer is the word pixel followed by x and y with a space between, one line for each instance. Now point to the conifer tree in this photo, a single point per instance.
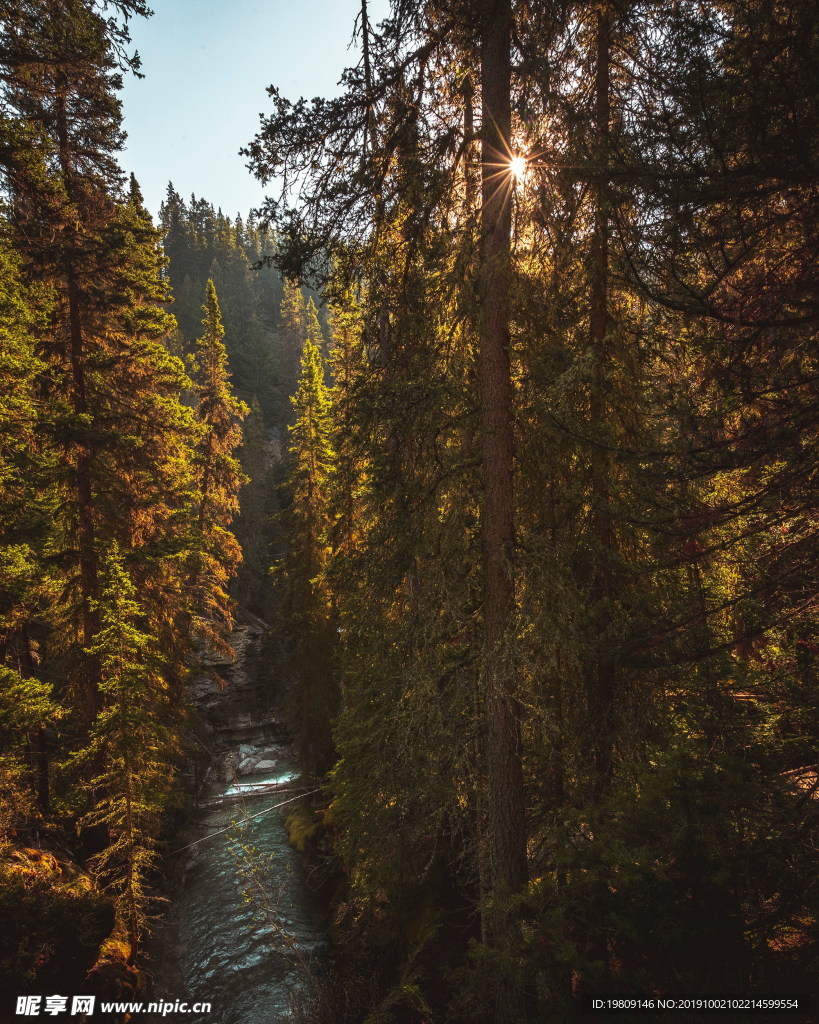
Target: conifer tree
pixel 552 531
pixel 219 479
pixel 299 322
pixel 257 501
pixel 103 490
pixel 201 243
pixel 97 250
pixel 633 411
pixel 26 704
pixel 131 746
pixel 346 359
pixel 64 85
pixel 309 607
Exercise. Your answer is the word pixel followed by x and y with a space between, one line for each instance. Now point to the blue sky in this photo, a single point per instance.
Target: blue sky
pixel 207 64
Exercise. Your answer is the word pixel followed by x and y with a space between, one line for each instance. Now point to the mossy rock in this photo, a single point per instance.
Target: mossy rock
pixel 305 829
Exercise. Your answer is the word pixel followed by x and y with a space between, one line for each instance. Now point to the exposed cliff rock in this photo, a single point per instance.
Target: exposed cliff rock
pixel 232 698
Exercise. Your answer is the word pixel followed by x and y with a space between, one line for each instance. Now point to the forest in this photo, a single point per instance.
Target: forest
pixel 498 423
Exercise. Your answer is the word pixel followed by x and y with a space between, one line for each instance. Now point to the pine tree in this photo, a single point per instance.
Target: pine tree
pixel 310 613
pixel 131 746
pixel 299 323
pixel 26 704
pixel 109 486
pixel 201 243
pixel 115 440
pixel 257 502
pixel 219 479
pixel 98 252
pixel 602 342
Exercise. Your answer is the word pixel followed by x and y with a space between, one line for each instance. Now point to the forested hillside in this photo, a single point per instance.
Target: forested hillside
pixel 118 489
pixel 557 511
pixel 266 322
pixel 501 418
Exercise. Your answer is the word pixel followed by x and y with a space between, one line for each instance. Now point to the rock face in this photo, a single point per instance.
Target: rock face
pixel 235 706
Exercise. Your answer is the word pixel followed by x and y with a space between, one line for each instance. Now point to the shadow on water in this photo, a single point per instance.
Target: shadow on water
pixel 247 930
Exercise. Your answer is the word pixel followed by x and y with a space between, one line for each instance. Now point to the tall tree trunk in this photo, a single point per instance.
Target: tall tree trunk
pixel 600 680
pixel 505 804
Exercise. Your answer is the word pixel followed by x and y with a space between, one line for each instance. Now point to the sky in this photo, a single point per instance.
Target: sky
pixel 207 65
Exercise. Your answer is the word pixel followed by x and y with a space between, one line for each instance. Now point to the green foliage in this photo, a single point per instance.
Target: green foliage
pixel 657 649
pixel 25 703
pixel 131 747
pixel 312 454
pixel 630 901
pixel 258 505
pixel 219 478
pixel 309 617
pixel 303 828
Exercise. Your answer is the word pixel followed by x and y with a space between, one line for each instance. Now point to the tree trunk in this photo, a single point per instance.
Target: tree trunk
pixel 505 804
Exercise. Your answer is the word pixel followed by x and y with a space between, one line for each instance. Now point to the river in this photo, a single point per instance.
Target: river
pixel 244 930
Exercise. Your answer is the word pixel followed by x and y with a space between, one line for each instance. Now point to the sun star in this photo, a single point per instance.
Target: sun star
pixel 517 165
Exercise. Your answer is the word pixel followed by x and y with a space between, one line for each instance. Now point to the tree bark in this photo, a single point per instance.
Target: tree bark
pixel 505 803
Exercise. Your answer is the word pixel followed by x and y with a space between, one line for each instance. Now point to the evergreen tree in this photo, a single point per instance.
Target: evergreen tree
pixel 131 746
pixel 219 479
pixel 95 400
pixel 98 251
pixel 201 243
pixel 257 503
pixel 548 585
pixel 299 323
pixel 25 581
pixel 309 609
